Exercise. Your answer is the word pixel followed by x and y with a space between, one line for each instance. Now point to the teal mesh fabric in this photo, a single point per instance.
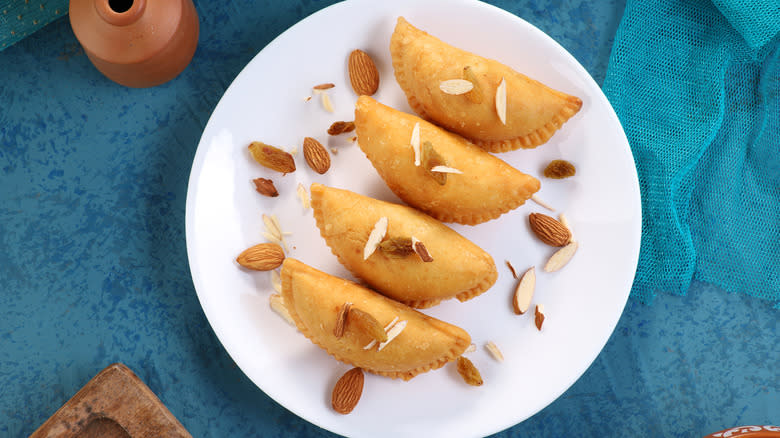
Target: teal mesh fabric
pixel 696 85
pixel 20 18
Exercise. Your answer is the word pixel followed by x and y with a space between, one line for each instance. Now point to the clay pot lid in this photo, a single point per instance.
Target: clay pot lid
pixel 124 31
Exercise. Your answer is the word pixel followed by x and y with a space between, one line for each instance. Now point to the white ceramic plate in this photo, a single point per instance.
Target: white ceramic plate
pixel 583 301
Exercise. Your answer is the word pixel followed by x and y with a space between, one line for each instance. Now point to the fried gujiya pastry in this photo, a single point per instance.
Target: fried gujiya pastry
pixel 419 343
pixel 485 188
pixel 532 111
pixel 459 268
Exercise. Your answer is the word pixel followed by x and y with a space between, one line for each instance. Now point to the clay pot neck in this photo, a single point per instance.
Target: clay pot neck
pixel 120 12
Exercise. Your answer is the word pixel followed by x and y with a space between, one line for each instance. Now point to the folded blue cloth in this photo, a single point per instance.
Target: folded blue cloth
pixel 696 85
pixel 20 18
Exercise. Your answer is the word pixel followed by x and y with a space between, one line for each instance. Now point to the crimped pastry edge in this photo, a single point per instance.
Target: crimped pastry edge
pixel 483 286
pixel 528 141
pixel 453 353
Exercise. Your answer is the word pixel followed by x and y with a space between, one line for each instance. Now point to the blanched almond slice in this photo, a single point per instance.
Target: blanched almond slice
pixel 271 227
pixel 415 142
pixel 445 169
pixel 394 331
pixel 376 236
pixel 303 195
pixel 276 281
pixel 387 328
pixel 494 351
pixel 524 292
pixel 471 348
pixel 326 102
pixel 541 202
pixel 501 101
pixel 456 86
pixel 277 305
pixel 561 257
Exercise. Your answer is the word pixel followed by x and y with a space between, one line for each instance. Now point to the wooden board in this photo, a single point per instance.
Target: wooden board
pixel 114 404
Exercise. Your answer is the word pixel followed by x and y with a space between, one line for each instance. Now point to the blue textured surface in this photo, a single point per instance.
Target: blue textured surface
pixel 698 94
pixel 94 268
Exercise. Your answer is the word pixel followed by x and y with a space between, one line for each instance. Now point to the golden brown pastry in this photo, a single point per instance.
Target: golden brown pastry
pixel 533 111
pixel 460 269
pixel 314 299
pixel 487 188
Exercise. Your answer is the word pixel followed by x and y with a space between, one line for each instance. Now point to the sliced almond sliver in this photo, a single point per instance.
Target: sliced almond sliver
pixel 541 202
pixel 387 328
pixel 470 349
pixel 271 226
pixel 276 281
pixel 524 292
pixel 376 236
pixel 511 268
pixel 501 101
pixel 421 250
pixel 561 257
pixel 277 304
pixel 341 320
pixel 326 102
pixel 456 86
pixel 394 331
pixel 303 195
pixel 539 316
pixel 494 351
pixel 415 142
pixel 445 169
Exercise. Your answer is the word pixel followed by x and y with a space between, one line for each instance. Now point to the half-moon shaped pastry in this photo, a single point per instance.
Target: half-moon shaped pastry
pixel 460 269
pixel 314 299
pixel 533 111
pixel 487 187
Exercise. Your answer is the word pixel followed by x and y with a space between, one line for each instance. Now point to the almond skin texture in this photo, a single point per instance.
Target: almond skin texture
pixel 363 74
pixel 549 230
pixel 317 157
pixel 347 392
pixel 262 257
pixel 265 187
pixel 272 157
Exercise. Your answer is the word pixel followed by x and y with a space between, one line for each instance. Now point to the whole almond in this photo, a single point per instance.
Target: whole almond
pixel 549 230
pixel 363 74
pixel 347 392
pixel 272 157
pixel 317 157
pixel 265 187
pixel 262 257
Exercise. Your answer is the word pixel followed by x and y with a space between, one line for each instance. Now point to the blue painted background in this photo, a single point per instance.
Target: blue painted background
pixel 93 264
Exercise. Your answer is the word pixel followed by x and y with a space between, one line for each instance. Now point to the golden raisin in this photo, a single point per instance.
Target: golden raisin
pixel 559 169
pixel 469 372
pixel 397 247
pixel 367 324
pixel 431 159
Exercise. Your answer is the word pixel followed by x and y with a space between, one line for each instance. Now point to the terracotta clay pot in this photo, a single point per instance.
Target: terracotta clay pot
pixel 136 43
